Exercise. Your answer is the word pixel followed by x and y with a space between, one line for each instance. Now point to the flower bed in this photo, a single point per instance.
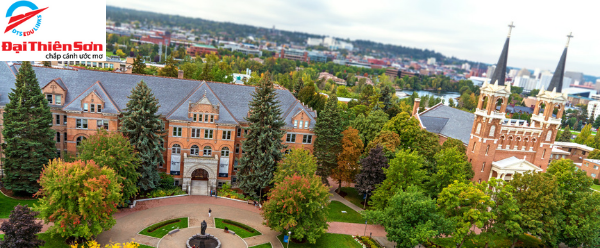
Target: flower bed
pixel 366 242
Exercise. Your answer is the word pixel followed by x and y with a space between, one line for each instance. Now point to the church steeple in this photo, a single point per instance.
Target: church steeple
pixel 557 79
pixel 499 75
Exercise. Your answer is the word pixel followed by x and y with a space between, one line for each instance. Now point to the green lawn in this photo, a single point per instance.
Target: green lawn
pixel 335 213
pixel 108 54
pixel 145 246
pixel 7 204
pixel 243 233
pixel 1 236
pixel 161 232
pixel 353 196
pixel 596 187
pixel 525 240
pixel 327 240
pixel 265 245
pixel 53 242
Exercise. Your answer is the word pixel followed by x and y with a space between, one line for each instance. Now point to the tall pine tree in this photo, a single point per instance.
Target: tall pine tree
pixel 139 67
pixel 29 138
pixel 144 128
pixel 263 145
pixel 328 144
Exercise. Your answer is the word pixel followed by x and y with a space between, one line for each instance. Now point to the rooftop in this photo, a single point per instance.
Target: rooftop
pixel 448 121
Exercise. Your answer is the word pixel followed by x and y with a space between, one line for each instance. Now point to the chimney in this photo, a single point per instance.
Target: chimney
pixel 180 74
pixel 416 106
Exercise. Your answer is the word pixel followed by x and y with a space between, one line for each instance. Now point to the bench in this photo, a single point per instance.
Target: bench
pixel 173 231
pixel 232 232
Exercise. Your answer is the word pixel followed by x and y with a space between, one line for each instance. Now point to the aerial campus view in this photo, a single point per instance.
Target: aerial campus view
pixel 322 124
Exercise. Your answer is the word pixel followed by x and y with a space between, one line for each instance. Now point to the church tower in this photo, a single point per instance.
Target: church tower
pixel 489 116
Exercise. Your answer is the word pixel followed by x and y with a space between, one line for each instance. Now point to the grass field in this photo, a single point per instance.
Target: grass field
pixel 145 246
pixel 265 245
pixel 327 240
pixel 7 204
pixel 335 213
pixel 243 233
pixel 525 240
pixel 353 196
pixel 162 231
pixel 596 187
pixel 108 54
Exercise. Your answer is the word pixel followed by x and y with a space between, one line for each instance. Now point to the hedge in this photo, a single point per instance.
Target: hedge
pixel 240 225
pixel 158 225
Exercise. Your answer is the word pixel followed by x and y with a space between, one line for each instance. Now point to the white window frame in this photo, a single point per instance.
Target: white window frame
pixel 207 152
pixel 176 149
pixel 177 131
pixel 290 138
pixel 196 133
pixel 195 150
pixel 57 100
pixel 208 133
pixel 85 107
pixel 307 139
pixel 81 124
pixel 226 135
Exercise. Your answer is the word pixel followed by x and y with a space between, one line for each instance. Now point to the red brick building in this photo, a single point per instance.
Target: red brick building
pixel 199 50
pixel 204 121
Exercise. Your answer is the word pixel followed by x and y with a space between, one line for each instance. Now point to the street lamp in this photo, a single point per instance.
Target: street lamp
pixel 289 238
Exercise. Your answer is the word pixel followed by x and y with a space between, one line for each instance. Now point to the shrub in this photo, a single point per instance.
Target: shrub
pixel 158 225
pixel 240 225
pixel 164 192
pixel 21 228
pixel 167 181
pixel 369 242
pixel 596 181
pixel 94 244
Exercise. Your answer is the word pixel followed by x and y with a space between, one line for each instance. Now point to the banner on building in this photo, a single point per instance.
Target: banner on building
pixel 175 164
pixel 224 167
pixel 53 30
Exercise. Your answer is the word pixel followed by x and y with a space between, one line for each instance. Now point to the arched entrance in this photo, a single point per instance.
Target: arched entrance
pixel 200 175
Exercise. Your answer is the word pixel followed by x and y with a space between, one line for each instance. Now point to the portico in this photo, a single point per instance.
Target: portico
pixel 200 174
pixel 506 168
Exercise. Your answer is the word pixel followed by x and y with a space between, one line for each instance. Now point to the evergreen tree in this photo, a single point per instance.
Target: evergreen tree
pixel 143 127
pixel 28 136
pixel 139 67
pixel 596 122
pixel 371 173
pixel 328 144
pixel 565 136
pixel 263 145
pixel 47 64
pixel 298 87
pixel 387 92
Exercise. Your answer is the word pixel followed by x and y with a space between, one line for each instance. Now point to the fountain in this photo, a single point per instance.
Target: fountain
pixel 203 240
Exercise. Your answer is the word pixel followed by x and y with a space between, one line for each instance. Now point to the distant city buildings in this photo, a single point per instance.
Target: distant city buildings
pixel 199 50
pixel 330 42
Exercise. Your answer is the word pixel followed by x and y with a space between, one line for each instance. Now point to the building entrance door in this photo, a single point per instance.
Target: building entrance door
pixel 200 174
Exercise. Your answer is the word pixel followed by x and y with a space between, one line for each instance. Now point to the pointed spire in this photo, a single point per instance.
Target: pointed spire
pixel 500 71
pixel 556 83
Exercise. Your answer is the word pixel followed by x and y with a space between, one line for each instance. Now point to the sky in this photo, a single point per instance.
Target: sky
pixel 472 30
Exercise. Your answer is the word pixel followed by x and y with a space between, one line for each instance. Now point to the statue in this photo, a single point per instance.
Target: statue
pixel 203 228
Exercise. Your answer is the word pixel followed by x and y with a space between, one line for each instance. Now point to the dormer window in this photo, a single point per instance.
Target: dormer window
pixel 85 107
pixel 195 115
pixel 205 118
pixel 49 98
pixel 300 124
pixel 58 99
pixel 99 108
pixel 295 123
pixel 92 107
pixel 306 124
pixel 212 118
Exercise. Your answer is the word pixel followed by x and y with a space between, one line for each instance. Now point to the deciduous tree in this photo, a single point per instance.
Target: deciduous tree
pixel 347 160
pixel 411 218
pixel 298 204
pixel 405 170
pixel 78 197
pixel 586 132
pixel 505 214
pixel 144 129
pixel 371 173
pixel 466 206
pixel 328 130
pixel 298 162
pixel 458 144
pixel 139 67
pixel 28 136
pixel 21 229
pixel 263 143
pixel 114 151
pixel 170 69
pixel 370 126
pixel 388 140
pixel 451 166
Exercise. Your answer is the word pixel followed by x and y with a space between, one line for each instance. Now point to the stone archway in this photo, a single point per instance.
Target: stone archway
pixel 204 169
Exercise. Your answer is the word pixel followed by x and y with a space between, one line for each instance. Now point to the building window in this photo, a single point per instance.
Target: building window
pixel 65 137
pixel 549 136
pixel 306 124
pixel 295 123
pixel 307 139
pixel 177 131
pixel 226 135
pixel 474 143
pixel 57 119
pixel 492 131
pixel 58 99
pixel 57 137
pixel 102 124
pixel 207 151
pixel 487 150
pixel 479 180
pixel 208 134
pixel 291 138
pixel 300 126
pixel 583 153
pixel 195 150
pixel 65 119
pixel 81 124
pixel 212 118
pixel 79 140
pixel 92 108
pixel 195 132
pixel 245 132
pixel 176 149
pixel 237 148
pixel 99 108
pixel 205 118
pixel 478 129
pixel 224 152
pixel 49 98
pixel 482 166
pixel 595 167
pixel 593 175
pixel 85 107
pixel 239 131
pixel 195 117
pixel 543 153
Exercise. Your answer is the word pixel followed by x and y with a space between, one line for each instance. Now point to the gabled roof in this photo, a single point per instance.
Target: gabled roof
pixel 515 164
pixel 202 95
pixel 59 82
pixel 296 109
pixel 109 106
pixel 448 121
